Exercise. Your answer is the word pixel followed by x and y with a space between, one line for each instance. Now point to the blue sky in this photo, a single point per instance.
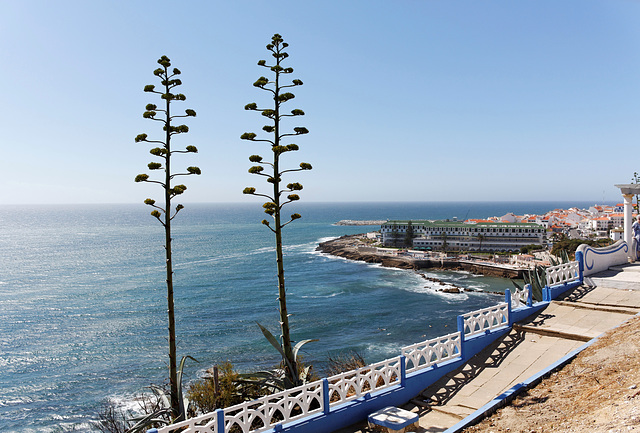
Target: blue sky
pixel 405 100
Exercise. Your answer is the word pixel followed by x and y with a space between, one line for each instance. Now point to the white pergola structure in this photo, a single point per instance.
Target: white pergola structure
pixel 628 191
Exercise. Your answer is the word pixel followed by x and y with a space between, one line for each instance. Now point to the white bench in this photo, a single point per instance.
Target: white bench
pixel 396 420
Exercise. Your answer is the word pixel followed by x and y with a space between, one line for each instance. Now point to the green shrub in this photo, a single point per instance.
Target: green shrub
pixel 206 397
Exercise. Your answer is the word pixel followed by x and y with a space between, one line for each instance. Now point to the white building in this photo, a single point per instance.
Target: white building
pixel 508 218
pixel 573 218
pixel 617 220
pixel 600 224
pixel 616 234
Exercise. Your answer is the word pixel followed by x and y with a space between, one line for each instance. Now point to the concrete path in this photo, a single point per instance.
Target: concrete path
pixel 604 302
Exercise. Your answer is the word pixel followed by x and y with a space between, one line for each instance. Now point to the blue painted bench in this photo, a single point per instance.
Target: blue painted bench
pixel 396 420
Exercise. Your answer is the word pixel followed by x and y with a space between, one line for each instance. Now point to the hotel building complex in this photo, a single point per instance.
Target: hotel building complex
pixel 465 236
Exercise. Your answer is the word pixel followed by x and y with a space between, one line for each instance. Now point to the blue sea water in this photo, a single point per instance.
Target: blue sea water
pixel 83 297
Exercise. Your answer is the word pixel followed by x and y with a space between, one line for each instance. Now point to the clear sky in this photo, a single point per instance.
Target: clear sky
pixel 405 100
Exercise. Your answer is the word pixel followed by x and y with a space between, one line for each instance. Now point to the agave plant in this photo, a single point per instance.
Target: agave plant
pixel 298 376
pixel 162 413
pixel 537 279
pixel 564 258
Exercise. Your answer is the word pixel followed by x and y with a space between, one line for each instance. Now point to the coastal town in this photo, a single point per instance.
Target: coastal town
pixel 500 245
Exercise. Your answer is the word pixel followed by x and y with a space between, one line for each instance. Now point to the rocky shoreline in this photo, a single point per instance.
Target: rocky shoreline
pixel 356 247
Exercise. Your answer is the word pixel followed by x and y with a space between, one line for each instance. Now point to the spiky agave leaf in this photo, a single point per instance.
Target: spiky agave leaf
pixel 184 403
pixel 276 344
pixel 299 345
pixel 264 379
pixel 153 418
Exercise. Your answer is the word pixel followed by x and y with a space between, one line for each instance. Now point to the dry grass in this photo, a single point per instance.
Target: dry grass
pixel 598 392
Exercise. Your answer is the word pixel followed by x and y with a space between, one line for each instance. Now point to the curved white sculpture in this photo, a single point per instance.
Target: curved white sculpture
pixel 601 259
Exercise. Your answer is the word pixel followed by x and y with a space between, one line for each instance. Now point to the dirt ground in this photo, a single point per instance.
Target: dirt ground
pixel 598 392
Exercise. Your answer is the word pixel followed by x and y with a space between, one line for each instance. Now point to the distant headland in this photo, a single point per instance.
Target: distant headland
pixel 360 222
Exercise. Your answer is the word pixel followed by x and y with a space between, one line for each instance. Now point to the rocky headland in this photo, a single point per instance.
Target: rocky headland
pixel 358 247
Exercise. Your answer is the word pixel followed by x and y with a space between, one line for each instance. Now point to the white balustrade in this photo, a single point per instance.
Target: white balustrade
pixel 519 297
pixel 262 414
pixel 356 383
pixel 430 352
pixel 563 273
pixel 258 415
pixel 206 423
pixel 486 319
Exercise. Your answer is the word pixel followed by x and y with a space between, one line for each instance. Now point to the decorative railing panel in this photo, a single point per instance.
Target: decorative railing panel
pixel 356 383
pixel 563 273
pixel 258 415
pixel 430 352
pixel 262 414
pixel 487 319
pixel 206 423
pixel 519 296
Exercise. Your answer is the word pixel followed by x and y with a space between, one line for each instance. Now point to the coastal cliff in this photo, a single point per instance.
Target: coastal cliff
pixel 355 247
pixel 352 247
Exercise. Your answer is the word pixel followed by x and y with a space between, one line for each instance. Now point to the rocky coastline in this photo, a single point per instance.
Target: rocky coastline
pixel 357 247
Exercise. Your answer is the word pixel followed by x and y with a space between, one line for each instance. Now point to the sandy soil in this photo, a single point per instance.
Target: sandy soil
pixel 598 392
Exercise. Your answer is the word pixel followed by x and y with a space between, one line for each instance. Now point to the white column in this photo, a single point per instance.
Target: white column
pixel 628 220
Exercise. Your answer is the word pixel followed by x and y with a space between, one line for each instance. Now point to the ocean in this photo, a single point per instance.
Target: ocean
pixel 83 297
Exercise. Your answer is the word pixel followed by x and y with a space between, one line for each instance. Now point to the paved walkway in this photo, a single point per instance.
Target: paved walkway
pixel 605 301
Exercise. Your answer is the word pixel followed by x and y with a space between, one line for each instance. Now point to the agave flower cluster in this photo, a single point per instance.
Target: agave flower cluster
pixel 275 203
pixel 163 149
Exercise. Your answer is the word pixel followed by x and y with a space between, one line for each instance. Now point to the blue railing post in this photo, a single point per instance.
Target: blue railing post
pixel 546 294
pixel 527 287
pixel 507 299
pixel 325 396
pixel 580 260
pixel 461 331
pixel 403 370
pixel 220 420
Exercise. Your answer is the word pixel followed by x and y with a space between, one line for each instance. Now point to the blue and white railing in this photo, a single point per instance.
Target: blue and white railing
pixel 354 384
pixel 431 352
pixel 521 297
pixel 343 399
pixel 563 273
pixel 487 319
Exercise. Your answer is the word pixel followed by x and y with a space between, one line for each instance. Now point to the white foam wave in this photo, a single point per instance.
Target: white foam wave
pixel 327 239
pixel 126 403
pixel 435 288
pixel 258 251
pixel 388 350
pixel 308 247
pixel 332 295
pixel 462 296
pixel 223 257
pixel 343 259
pixel 460 271
pixel 15 401
pixel 477 287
